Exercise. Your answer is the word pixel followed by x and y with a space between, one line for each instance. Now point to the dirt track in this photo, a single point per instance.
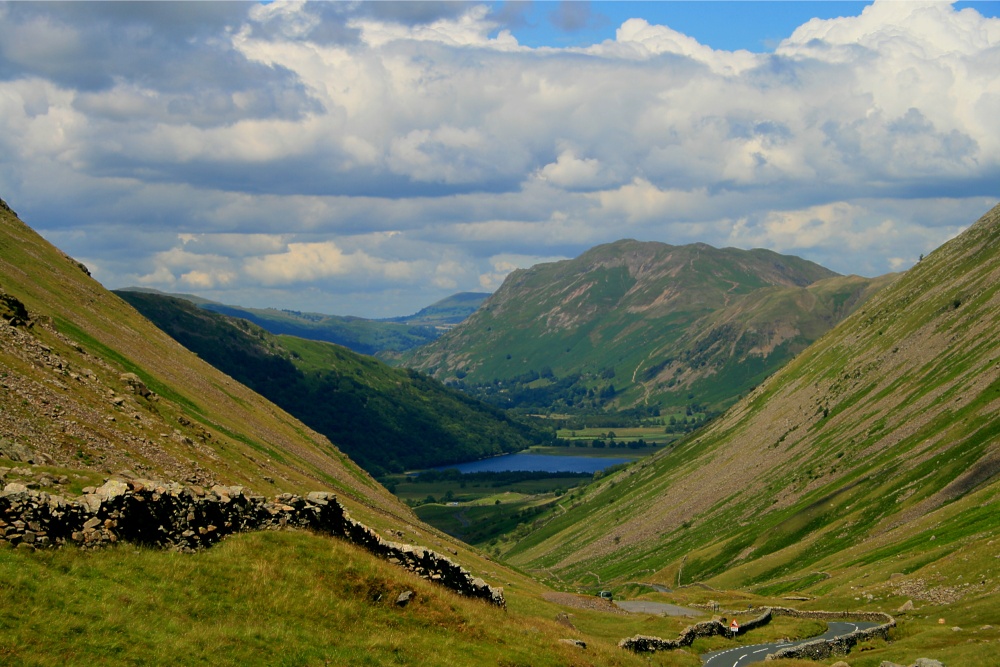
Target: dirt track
pixel 658 608
pixel 583 602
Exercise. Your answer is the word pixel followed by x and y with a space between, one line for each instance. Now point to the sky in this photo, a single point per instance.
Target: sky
pixel 370 158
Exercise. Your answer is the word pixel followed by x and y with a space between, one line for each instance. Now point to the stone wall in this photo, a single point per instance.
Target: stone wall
pixel 760 621
pixel 815 650
pixel 647 644
pixel 171 516
pixel 825 648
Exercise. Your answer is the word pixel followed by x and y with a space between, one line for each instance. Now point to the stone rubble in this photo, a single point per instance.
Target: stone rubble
pixel 171 516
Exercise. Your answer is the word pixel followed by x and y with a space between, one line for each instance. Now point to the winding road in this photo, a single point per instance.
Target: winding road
pixel 745 655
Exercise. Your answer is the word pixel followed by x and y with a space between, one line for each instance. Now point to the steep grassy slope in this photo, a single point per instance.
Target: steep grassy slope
pixel 874 453
pixel 78 364
pixel 642 325
pixel 386 419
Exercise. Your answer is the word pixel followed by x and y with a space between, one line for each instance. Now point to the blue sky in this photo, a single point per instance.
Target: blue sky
pixel 370 158
pixel 721 24
pixel 754 26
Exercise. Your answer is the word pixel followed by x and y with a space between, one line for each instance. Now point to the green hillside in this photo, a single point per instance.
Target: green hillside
pixel 89 389
pixel 386 419
pixel 356 333
pixel 89 383
pixel 870 463
pixel 447 312
pixel 365 336
pixel 862 476
pixel 643 327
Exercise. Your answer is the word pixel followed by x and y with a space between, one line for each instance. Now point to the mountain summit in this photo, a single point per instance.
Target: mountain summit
pixel 642 325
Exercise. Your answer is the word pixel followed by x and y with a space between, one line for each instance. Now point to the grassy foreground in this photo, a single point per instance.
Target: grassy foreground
pixel 294 598
pixel 275 598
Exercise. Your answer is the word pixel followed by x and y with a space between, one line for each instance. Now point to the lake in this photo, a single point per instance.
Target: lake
pixel 523 461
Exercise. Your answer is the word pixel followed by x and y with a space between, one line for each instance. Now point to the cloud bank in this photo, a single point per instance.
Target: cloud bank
pixel 369 158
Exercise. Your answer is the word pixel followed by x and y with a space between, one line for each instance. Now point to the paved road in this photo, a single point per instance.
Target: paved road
pixel 744 655
pixel 661 608
pixel 659 588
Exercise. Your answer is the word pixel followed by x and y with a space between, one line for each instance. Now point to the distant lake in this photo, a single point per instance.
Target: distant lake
pixel 523 461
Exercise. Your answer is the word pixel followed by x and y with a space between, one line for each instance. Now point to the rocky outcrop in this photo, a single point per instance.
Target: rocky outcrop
pixel 169 515
pixel 13 311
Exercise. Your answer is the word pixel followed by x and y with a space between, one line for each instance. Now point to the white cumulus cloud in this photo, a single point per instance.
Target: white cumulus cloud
pixel 287 140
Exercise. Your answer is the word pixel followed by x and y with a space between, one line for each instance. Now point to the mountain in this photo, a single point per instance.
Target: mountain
pixel 637 325
pixel 386 419
pixel 866 471
pixel 862 476
pixel 447 312
pixel 365 336
pixel 356 333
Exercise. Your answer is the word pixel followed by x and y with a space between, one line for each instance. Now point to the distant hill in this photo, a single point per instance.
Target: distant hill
pixel 642 326
pixel 362 335
pixel 867 470
pixel 445 313
pixel 386 419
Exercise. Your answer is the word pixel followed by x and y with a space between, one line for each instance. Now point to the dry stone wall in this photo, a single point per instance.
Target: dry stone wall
pixel 169 515
pixel 648 644
pixel 825 648
pixel 816 650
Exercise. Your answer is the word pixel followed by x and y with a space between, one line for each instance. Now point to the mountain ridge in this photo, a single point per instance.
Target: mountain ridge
pixel 887 420
pixel 641 325
pixel 384 337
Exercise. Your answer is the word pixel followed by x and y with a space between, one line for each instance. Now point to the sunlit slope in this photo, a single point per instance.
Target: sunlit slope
pixel 67 399
pixel 633 324
pixel 881 435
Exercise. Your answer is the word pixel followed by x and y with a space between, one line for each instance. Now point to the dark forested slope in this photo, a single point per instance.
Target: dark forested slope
pixel 386 419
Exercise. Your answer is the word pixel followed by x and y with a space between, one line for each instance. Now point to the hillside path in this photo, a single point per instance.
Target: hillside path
pixel 660 608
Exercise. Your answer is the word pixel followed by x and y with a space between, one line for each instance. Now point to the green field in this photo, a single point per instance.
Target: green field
pixel 482 508
pixel 651 434
pixel 594 452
